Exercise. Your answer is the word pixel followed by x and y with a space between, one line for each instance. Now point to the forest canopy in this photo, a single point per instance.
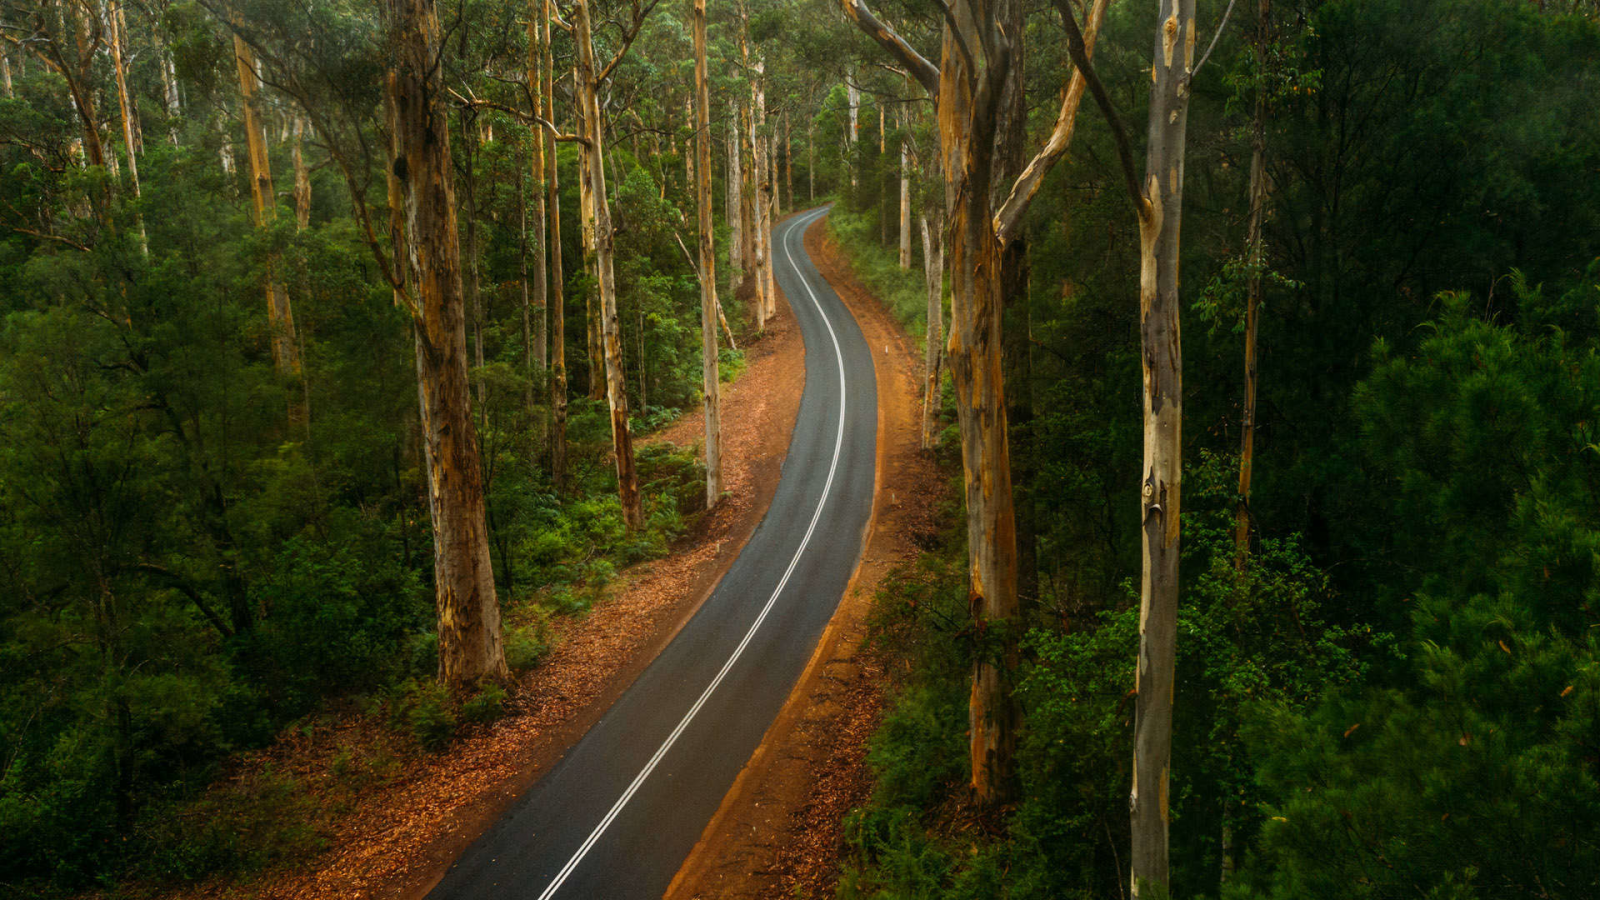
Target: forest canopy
pixel 326 330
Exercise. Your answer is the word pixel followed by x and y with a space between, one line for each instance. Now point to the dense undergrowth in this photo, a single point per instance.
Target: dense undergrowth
pixel 1398 694
pixel 186 582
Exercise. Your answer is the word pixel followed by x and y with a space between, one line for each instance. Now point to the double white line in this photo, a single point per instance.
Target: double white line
pixel 827 488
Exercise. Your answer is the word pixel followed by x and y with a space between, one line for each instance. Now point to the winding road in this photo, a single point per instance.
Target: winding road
pixel 617 816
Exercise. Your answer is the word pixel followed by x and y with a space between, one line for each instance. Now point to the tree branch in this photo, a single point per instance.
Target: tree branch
pixel 187 589
pixel 1009 217
pixel 627 41
pixel 1221 26
pixel 926 73
pixel 528 118
pixel 1119 131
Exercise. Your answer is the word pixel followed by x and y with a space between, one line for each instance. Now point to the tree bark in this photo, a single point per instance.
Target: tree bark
pixel 469 140
pixel 130 142
pixel 933 276
pixel 710 377
pixel 735 197
pixel 280 315
pixel 302 179
pixel 969 87
pixel 594 174
pixel 558 287
pixel 1162 364
pixel 905 196
pixel 1258 202
pixel 469 612
pixel 853 98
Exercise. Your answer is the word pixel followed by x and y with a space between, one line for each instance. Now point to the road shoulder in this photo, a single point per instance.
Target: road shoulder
pixel 777 831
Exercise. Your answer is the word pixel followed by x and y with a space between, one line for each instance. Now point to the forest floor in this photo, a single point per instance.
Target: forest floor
pixel 778 831
pixel 390 817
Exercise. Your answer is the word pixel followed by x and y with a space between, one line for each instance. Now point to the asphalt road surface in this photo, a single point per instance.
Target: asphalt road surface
pixel 617 816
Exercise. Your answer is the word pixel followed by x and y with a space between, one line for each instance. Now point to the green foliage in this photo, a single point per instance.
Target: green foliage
pixel 902 292
pixel 1473 774
pixel 487 705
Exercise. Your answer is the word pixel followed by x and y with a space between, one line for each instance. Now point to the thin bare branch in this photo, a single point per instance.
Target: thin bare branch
pixel 925 72
pixel 1119 131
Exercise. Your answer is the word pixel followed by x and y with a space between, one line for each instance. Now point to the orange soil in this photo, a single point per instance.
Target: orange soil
pixel 405 815
pixel 777 833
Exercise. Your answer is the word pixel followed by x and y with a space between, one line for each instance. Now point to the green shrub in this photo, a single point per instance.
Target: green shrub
pixel 526 647
pixel 488 705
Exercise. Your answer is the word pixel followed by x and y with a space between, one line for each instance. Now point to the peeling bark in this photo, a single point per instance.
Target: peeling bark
pixel 594 174
pixel 302 179
pixel 470 647
pixel 1162 363
pixel 280 315
pixel 710 378
pixel 557 299
pixel 933 278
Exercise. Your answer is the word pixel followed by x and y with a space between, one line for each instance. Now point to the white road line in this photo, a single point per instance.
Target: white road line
pixel 738 651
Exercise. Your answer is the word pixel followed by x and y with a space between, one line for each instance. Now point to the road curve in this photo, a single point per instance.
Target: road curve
pixel 616 817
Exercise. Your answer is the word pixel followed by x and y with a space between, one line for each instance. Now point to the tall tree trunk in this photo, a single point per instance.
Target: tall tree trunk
pixel 710 378
pixel 811 164
pixel 5 73
pixel 788 160
pixel 735 197
pixel 302 179
pixel 529 371
pixel 933 278
pixel 469 140
pixel 853 98
pixel 586 216
pixel 469 612
pixel 594 173
pixel 1162 362
pixel 1258 202
pixel 558 288
pixel 115 22
pixel 133 106
pixel 280 315
pixel 905 195
pixel 169 85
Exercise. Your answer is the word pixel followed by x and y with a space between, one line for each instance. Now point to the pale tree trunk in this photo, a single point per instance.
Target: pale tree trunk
pixel 302 179
pixel 169 85
pixel 735 198
pixel 708 264
pixel 469 137
pixel 788 160
pixel 133 106
pixel 969 87
pixel 558 288
pixel 853 96
pixel 5 73
pixel 688 151
pixel 591 313
pixel 470 647
pixel 905 195
pixel 594 173
pixel 280 315
pixel 1158 199
pixel 811 164
pixel 529 371
pixel 541 274
pixel 749 216
pixel 933 277
pixel 116 22
pixel 225 151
